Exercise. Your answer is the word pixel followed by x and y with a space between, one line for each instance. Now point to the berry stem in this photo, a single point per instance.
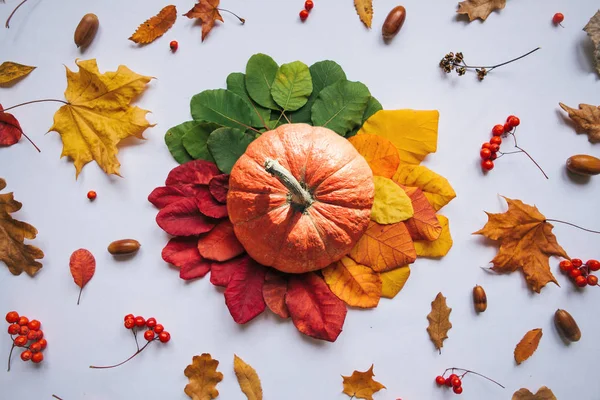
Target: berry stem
pixel 134 332
pixel 491 67
pixel 56 397
pixel 123 362
pixel 10 355
pixel 521 150
pixel 568 223
pixel 468 371
pixel 13 13
pixel 242 20
pixel 36 101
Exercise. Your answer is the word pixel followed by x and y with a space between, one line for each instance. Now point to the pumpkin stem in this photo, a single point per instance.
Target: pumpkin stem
pixel 299 195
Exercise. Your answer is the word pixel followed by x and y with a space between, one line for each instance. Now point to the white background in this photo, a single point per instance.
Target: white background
pixel 404 74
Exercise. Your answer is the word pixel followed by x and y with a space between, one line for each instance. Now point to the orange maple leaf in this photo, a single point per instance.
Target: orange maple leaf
pixel 207 12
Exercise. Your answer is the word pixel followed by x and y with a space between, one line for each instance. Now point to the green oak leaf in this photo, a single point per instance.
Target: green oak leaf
pixel 372 107
pixel 227 145
pixel 292 86
pixel 195 138
pixel 173 140
pixel 236 83
pixel 224 108
pixel 260 74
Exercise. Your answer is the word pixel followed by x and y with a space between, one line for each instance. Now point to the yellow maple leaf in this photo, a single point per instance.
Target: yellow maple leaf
pixel 364 9
pixel 414 133
pixel 354 284
pixel 393 281
pixel 439 247
pixel 155 27
pixel 361 384
pixel 380 153
pixel 391 204
pixel 436 188
pixel 99 115
pixel 248 379
pixel 204 377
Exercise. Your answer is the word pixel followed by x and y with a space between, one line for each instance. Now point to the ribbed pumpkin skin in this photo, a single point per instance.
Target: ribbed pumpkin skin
pixel 272 230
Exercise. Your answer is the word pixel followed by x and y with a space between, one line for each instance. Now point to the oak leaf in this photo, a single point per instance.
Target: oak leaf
pixel 156 26
pixel 380 153
pixel 10 129
pixel 364 9
pixel 244 293
pixel 10 72
pixel 361 384
pixel 423 225
pixel 207 11
pixel 354 284
pixel 439 321
pixel 436 188
pixel 586 120
pixel 204 377
pixel 390 204
pixel 17 255
pixel 593 30
pixel 274 291
pixel 83 267
pixel 526 242
pixel 248 379
pixel 99 115
pixel 528 345
pixel 393 281
pixel 543 393
pixel 479 8
pixel 439 247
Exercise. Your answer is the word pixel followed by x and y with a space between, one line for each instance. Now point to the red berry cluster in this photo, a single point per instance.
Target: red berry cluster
pixel 579 272
pixel 29 336
pixel 308 5
pixel 490 149
pixel 452 381
pixel 154 331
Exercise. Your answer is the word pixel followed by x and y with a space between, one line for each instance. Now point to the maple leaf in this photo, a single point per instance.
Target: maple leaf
pixel 361 384
pixel 156 26
pixel 17 256
pixel 248 379
pixel 99 115
pixel 543 393
pixel 364 9
pixel 207 12
pixel 439 321
pixel 204 377
pixel 586 119
pixel 83 267
pixel 527 242
pixel 593 30
pixel 479 8
pixel 528 345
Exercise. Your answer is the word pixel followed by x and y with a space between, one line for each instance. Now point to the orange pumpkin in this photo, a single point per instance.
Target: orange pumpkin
pixel 300 198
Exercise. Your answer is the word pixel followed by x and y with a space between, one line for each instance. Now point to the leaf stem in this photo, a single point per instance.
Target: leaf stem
pixel 467 371
pixel 123 362
pixel 242 20
pixel 13 13
pixel 79 298
pixel 56 397
pixel 36 101
pixel 10 355
pixel 491 67
pixel 573 225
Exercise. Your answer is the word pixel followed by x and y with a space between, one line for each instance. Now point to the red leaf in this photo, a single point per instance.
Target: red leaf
pixel 10 129
pixel 83 266
pixel 243 295
pixel 274 292
pixel 219 186
pixel 194 269
pixel 209 206
pixel 182 218
pixel 221 272
pixel 193 172
pixel 314 309
pixel 220 244
pixel 164 195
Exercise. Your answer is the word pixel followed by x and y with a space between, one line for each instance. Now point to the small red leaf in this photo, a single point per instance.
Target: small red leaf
pixel 193 172
pixel 10 129
pixel 219 186
pixel 274 291
pixel 83 266
pixel 164 195
pixel 221 272
pixel 243 295
pixel 194 269
pixel 220 244
pixel 209 206
pixel 182 218
pixel 314 309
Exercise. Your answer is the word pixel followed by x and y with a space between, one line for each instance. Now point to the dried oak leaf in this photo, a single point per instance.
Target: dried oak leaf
pixel 439 321
pixel 207 12
pixel 204 377
pixel 543 393
pixel 528 345
pixel 593 30
pixel 526 242
pixel 354 284
pixel 83 267
pixel 479 8
pixel 10 129
pixel 156 26
pixel 361 384
pixel 17 256
pixel 99 115
pixel 248 379
pixel 586 119
pixel 364 9
pixel 10 72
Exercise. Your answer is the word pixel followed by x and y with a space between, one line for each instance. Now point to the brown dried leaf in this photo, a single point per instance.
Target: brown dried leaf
pixel 543 393
pixel 528 345
pixel 586 120
pixel 156 26
pixel 361 384
pixel 364 9
pixel 203 376
pixel 439 321
pixel 593 30
pixel 207 12
pixel 479 8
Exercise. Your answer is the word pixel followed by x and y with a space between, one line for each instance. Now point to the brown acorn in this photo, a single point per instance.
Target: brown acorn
pixel 123 247
pixel 479 299
pixel 582 164
pixel 566 325
pixel 86 30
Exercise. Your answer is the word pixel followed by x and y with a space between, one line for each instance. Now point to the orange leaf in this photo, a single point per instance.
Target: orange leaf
pixel 380 153
pixel 156 26
pixel 83 266
pixel 207 12
pixel 274 290
pixel 423 225
pixel 354 284
pixel 384 247
pixel 204 377
pixel 439 321
pixel 528 345
pixel 361 384
pixel 543 393
pixel 220 244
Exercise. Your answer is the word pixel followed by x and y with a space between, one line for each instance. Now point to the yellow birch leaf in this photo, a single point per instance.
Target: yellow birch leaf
pixel 361 384
pixel 364 9
pixel 439 247
pixel 203 376
pixel 156 26
pixel 354 284
pixel 391 204
pixel 11 71
pixel 248 379
pixel 436 188
pixel 414 133
pixel 393 281
pixel 380 153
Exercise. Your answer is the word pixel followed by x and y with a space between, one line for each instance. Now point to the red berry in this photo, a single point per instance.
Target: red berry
pixel 34 325
pixel 493 156
pixel 593 265
pixel 173 45
pixel 13 329
pixel 129 316
pixel 91 195
pixel 129 323
pixel 43 343
pixel 140 321
pixel 12 317
pixel 498 130
pixel 496 140
pixel 507 128
pixel 485 153
pixel 40 334
pixel 26 355
pixel 23 321
pixel 308 5
pixel 457 390
pixel 495 147
pixel 164 336
pixel 487 165
pixel 24 330
pixel 37 357
pixel 32 335
pixel 574 273
pixel 576 262
pixel 149 335
pixel 565 265
pixel 486 145
pixel 440 380
pixel 151 322
pixel 456 382
pixel 558 18
pixel 581 281
pixel 303 15
pixel 448 382
pixel 159 328
pixel 592 280
pixel 20 341
pixel 513 121
pixel 35 347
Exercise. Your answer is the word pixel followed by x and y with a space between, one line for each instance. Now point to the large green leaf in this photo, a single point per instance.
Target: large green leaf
pixel 224 108
pixel 195 138
pixel 227 145
pixel 341 106
pixel 292 86
pixel 173 139
pixel 323 73
pixel 236 83
pixel 372 107
pixel 260 74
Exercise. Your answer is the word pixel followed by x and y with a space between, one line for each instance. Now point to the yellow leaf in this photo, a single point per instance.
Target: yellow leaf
pixel 391 204
pixel 439 247
pixel 11 71
pixel 436 188
pixel 414 133
pixel 156 26
pixel 423 225
pixel 380 153
pixel 248 379
pixel 361 384
pixel 364 9
pixel 203 376
pixel 99 114
pixel 439 321
pixel 354 284
pixel 528 345
pixel 393 281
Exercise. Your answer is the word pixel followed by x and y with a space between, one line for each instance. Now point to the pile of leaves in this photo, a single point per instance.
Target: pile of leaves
pixel 404 223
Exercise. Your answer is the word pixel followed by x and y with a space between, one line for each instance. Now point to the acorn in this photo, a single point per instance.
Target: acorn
pixel 567 326
pixel 86 30
pixel 123 247
pixel 479 299
pixel 583 164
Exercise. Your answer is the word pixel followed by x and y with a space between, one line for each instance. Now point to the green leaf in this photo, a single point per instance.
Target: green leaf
pixel 292 86
pixel 224 108
pixel 236 83
pixel 260 74
pixel 227 145
pixel 173 139
pixel 323 73
pixel 195 138
pixel 341 106
pixel 372 107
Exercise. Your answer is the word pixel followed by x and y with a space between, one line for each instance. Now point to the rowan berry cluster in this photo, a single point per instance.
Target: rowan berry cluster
pixel 308 5
pixel 489 150
pixel 581 273
pixel 29 336
pixel 454 381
